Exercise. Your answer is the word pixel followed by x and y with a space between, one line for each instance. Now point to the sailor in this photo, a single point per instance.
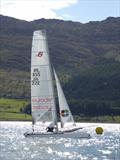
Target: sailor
pixel 50 128
pixel 33 128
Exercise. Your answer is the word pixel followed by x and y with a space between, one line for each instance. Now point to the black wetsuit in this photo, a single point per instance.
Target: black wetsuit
pixel 50 129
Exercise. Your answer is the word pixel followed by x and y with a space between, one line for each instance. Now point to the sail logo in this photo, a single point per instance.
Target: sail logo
pixel 64 113
pixel 41 107
pixel 42 100
pixel 40 54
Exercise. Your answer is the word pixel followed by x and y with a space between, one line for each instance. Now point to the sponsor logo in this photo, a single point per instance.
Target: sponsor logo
pixel 42 100
pixel 41 108
pixel 64 113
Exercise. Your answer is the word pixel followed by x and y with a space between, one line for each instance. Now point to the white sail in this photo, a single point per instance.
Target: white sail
pixel 42 93
pixel 65 113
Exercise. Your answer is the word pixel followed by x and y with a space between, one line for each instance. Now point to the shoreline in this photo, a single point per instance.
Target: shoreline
pixel 2 120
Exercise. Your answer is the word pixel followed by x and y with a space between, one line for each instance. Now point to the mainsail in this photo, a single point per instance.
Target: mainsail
pixel 42 92
pixel 65 113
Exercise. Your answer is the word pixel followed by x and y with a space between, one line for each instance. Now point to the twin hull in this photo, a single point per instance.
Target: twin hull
pixel 60 134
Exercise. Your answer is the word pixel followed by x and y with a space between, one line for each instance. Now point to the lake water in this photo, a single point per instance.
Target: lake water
pixel 14 146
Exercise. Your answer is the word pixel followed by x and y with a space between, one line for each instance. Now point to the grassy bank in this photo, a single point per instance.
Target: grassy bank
pixel 100 119
pixel 6 116
pixel 10 109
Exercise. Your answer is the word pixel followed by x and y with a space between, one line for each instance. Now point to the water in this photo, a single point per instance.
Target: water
pixel 14 146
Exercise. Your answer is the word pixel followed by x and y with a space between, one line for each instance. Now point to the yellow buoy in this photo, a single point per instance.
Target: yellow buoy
pixel 99 130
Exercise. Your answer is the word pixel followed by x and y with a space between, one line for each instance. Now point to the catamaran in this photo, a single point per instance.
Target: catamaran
pixel 43 104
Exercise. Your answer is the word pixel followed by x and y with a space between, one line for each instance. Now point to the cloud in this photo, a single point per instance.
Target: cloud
pixel 34 9
pixel 67 16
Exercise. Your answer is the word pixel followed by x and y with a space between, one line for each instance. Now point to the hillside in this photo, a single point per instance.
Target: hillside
pixel 86 57
pixel 70 42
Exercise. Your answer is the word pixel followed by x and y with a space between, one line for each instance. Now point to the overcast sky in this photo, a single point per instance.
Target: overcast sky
pixel 75 10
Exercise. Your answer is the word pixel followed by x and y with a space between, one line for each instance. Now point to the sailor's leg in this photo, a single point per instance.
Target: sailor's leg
pixel 33 128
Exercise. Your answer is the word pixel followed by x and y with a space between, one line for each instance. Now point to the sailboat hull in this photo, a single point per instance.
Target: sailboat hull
pixel 60 134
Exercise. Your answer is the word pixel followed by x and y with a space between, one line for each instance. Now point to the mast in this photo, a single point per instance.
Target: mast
pixel 51 70
pixel 56 80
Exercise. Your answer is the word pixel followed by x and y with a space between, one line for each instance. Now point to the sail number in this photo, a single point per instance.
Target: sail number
pixel 35 81
pixel 35 76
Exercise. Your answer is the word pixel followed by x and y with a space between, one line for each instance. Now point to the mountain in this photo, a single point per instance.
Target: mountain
pixel 71 42
pixel 86 57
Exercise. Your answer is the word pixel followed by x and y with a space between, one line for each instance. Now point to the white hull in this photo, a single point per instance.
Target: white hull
pixel 60 134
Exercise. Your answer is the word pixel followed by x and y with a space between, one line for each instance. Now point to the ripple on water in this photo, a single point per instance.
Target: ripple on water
pixel 14 146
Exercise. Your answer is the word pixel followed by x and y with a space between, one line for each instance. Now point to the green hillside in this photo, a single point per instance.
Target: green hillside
pixel 86 58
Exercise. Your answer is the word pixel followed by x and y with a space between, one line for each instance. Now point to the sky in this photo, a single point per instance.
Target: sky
pixel 76 10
